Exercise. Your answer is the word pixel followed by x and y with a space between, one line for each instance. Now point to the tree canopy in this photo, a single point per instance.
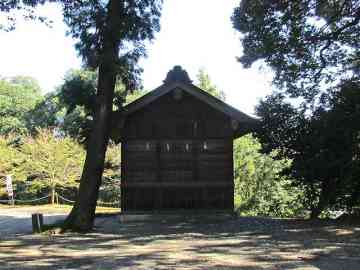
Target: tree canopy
pixel 10 158
pixel 313 48
pixel 71 107
pixel 110 37
pixel 18 97
pixel 310 44
pixel 204 82
pixel 51 162
pixel 261 188
pixel 323 147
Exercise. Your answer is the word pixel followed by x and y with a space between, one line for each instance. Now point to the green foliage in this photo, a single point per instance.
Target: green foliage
pixel 27 83
pixel 10 161
pixel 337 159
pixel 47 114
pixel 128 28
pixel 27 9
pixel 324 146
pixel 18 97
pixel 204 83
pixel 77 96
pixel 51 162
pixel 78 89
pixel 260 187
pixel 310 44
pixel 71 107
pixel 110 189
pixel 48 163
pixel 110 36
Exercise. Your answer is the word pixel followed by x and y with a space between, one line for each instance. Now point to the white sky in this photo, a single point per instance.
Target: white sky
pixel 194 34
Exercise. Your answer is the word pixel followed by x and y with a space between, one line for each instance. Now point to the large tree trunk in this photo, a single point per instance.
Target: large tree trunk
pixel 81 217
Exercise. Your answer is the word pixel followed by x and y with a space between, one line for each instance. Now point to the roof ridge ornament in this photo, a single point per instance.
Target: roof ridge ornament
pixel 177 74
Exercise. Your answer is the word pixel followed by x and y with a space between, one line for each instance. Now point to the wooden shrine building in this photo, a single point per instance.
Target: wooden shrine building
pixel 177 148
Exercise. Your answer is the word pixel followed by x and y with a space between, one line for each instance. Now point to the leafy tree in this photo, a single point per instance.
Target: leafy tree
pixel 102 28
pixel 324 146
pixel 344 119
pixel 260 186
pixel 46 163
pixel 110 189
pixel 27 10
pixel 18 96
pixel 310 44
pixel 110 37
pixel 71 107
pixel 52 163
pixel 77 96
pixel 204 82
pixel 27 83
pixel 10 161
pixel 47 114
pixel 336 163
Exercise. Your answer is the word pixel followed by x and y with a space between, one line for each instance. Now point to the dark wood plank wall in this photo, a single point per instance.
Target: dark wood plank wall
pixel 177 154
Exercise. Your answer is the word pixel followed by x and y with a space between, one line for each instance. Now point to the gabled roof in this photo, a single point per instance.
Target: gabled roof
pixel 178 79
pixel 193 91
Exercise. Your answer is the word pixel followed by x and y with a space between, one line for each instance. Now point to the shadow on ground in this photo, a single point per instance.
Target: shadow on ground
pixel 237 243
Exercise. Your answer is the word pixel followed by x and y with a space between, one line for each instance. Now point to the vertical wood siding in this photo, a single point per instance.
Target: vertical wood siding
pixel 177 154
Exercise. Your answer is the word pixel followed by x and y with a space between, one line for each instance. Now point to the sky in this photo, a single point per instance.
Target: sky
pixel 194 34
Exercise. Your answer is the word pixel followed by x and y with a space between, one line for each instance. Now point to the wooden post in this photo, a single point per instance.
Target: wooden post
pixel 37 222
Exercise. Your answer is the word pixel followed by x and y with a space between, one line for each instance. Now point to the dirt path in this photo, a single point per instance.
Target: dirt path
pixel 242 243
pixel 18 220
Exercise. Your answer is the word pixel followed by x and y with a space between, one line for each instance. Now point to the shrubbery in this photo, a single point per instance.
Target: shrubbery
pixel 260 187
pixel 50 164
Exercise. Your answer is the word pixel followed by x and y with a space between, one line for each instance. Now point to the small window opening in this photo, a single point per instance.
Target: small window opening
pixel 167 147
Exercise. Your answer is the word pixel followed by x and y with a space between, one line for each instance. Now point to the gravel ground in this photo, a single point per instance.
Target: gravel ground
pixel 18 220
pixel 236 243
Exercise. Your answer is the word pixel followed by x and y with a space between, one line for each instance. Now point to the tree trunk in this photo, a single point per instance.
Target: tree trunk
pixel 82 215
pixel 52 195
pixel 315 212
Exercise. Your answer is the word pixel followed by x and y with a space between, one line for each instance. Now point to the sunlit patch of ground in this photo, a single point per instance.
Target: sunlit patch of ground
pixel 241 243
pixel 54 208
